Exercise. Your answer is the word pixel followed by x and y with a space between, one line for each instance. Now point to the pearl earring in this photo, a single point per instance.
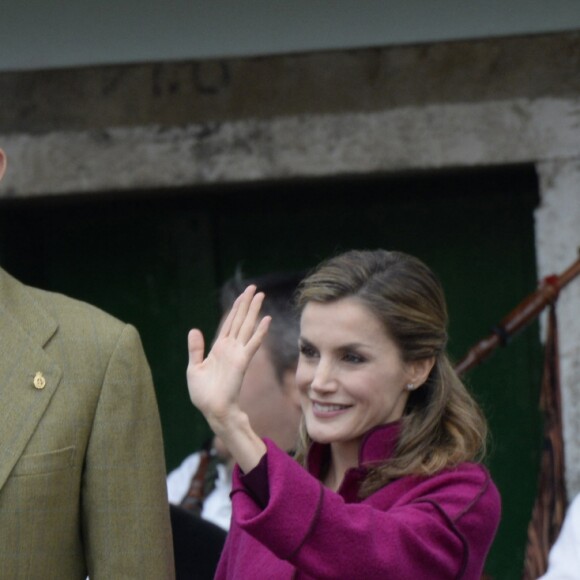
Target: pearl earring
pixel 410 387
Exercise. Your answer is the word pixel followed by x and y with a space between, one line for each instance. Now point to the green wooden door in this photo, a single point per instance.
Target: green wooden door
pixel 157 260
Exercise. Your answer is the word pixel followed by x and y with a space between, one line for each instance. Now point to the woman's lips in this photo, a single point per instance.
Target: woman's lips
pixel 328 409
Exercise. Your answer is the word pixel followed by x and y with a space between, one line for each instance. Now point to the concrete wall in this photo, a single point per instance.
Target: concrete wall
pixel 458 104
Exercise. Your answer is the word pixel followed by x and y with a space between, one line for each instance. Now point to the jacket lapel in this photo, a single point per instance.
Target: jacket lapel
pixel 25 328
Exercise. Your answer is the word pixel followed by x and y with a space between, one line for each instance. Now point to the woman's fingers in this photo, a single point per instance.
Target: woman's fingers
pixel 241 321
pixel 195 346
pixel 249 322
pixel 241 306
pixel 259 334
pixel 241 325
pixel 226 326
pixel 214 382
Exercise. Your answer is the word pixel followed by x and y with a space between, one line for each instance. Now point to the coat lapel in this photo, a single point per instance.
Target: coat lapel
pixel 25 328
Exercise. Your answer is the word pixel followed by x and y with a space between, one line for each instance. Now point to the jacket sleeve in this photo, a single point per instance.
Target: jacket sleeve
pixel 313 528
pixel 125 513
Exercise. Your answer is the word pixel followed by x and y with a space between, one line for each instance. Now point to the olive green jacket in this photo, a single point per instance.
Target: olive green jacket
pixel 82 471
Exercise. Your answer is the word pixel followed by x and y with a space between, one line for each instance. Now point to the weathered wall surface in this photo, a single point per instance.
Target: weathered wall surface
pixel 406 138
pixel 359 81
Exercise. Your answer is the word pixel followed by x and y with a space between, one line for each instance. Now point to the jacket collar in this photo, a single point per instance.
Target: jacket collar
pixel 18 304
pixel 377 445
pixel 25 329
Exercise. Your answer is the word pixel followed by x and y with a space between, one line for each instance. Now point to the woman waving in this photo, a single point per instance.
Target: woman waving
pixel 387 480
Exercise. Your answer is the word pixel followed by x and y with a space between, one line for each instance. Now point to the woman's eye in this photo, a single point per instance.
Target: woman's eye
pixel 352 357
pixel 307 351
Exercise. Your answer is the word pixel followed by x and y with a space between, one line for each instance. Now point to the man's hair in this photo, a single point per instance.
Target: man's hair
pixel 279 289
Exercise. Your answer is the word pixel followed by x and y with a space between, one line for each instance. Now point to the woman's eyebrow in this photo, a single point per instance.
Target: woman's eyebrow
pixel 345 346
pixel 354 346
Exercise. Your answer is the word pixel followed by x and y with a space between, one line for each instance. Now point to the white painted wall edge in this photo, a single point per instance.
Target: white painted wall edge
pixel 150 157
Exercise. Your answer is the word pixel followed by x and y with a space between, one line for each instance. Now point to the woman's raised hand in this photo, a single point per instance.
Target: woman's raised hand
pixel 214 382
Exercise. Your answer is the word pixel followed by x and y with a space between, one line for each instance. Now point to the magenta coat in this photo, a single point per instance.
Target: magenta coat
pixel 438 527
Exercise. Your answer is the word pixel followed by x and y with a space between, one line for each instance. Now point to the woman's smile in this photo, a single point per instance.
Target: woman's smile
pixel 323 410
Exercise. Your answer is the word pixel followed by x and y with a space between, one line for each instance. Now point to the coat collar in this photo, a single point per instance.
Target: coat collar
pixel 377 445
pixel 18 304
pixel 25 329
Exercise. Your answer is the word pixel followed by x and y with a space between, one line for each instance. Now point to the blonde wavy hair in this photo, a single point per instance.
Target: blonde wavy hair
pixel 442 424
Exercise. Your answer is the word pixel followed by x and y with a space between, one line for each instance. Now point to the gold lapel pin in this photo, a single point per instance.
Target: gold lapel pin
pixel 39 381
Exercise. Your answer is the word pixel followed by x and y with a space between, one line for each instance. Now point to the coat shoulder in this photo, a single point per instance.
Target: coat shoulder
pixel 75 315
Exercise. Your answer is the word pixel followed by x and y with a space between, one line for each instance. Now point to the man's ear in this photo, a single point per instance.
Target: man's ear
pixel 419 371
pixel 2 163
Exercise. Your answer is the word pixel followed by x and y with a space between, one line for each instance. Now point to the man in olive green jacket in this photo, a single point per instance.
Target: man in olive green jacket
pixel 82 472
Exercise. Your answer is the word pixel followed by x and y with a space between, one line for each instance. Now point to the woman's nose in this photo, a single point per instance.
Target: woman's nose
pixel 323 379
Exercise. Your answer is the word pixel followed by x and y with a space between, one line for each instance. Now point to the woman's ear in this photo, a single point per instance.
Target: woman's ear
pixel 419 372
pixel 2 163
